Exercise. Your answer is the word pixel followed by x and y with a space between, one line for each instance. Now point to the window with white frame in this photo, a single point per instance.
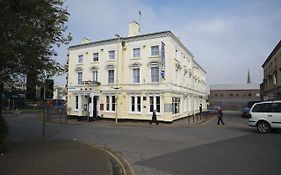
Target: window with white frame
pixel 80 59
pixel 154 72
pixel 136 74
pixel 110 76
pixel 79 77
pixel 110 101
pixel 76 102
pixel 176 105
pixel 155 50
pixel 111 54
pixel 136 53
pixel 154 103
pixel 95 75
pixel 95 57
pixel 136 103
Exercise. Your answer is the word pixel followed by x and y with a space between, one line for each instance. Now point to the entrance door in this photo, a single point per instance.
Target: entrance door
pixel 95 106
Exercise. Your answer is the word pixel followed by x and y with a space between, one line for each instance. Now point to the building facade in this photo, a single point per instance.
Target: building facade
pixel 129 77
pixel 271 85
pixel 233 97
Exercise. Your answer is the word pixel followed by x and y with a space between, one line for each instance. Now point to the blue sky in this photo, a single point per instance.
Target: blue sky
pixel 227 37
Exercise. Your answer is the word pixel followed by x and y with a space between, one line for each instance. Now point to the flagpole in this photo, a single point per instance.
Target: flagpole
pixel 139 20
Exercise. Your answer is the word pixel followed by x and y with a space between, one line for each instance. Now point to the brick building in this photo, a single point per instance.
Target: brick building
pixel 233 97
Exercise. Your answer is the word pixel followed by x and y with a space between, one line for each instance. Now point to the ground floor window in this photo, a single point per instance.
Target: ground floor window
pixel 110 101
pixel 176 105
pixel 76 102
pixel 135 103
pixel 154 103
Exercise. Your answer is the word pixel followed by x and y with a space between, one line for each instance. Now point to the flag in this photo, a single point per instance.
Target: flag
pixel 163 59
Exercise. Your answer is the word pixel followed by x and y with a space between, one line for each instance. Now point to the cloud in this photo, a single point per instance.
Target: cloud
pixel 226 37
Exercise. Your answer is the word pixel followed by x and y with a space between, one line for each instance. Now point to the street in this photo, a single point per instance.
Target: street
pixel 204 148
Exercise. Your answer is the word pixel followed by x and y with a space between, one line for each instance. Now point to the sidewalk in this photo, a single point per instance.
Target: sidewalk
pixel 56 157
pixel 185 122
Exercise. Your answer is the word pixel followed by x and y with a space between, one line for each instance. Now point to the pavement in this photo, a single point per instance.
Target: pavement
pixel 58 157
pixel 32 155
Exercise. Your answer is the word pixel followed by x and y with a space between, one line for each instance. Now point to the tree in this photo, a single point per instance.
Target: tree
pixel 29 31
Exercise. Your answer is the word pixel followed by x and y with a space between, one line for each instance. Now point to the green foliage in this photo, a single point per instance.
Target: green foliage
pixel 29 30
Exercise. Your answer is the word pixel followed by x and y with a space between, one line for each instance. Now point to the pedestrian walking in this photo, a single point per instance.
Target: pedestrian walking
pixel 154 118
pixel 220 117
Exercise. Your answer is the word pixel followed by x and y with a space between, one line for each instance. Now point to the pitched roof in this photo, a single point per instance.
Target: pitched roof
pixel 278 46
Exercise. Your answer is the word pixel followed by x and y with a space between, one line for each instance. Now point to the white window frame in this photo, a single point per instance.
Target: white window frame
pixel 110 105
pixel 95 74
pixel 79 79
pixel 154 103
pixel 135 56
pixel 110 55
pixel 95 56
pixel 135 105
pixel 108 78
pixel 80 59
pixel 151 76
pixel 176 101
pixel 152 54
pixel 137 77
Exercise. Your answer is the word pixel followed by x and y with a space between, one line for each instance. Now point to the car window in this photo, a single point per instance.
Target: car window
pixel 276 107
pixel 262 108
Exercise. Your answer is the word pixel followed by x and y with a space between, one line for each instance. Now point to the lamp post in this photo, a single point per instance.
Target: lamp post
pixel 193 91
pixel 116 103
pixel 117 77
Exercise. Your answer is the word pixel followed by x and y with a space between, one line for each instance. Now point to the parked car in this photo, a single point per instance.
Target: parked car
pixel 214 110
pixel 265 116
pixel 245 112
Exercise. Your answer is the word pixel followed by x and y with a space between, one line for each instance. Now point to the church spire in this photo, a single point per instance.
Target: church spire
pixel 248 78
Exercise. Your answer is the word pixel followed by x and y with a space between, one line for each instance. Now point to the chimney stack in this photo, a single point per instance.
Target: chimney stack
pixel 134 29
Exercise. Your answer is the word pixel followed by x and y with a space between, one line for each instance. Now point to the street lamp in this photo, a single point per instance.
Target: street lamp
pixel 116 103
pixel 193 76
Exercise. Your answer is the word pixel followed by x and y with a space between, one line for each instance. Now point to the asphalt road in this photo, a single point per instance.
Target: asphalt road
pixel 195 149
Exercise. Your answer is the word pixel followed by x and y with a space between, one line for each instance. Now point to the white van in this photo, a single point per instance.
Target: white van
pixel 265 115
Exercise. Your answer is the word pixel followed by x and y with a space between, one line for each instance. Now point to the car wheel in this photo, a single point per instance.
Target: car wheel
pixel 263 127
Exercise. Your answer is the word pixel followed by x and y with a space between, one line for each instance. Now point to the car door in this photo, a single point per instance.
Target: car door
pixel 276 115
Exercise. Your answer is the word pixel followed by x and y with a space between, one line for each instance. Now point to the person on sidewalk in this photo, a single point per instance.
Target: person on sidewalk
pixel 220 117
pixel 154 118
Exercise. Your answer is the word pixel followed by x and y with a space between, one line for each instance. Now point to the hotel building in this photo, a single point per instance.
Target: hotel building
pixel 129 77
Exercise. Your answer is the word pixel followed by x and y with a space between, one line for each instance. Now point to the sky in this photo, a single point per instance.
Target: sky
pixel 226 37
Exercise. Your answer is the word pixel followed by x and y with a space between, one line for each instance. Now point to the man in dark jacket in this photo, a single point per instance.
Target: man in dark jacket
pixel 220 117
pixel 154 118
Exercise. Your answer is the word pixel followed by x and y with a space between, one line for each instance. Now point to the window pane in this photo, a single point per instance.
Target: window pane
pixel 111 54
pixel 76 102
pixel 113 103
pixel 95 75
pixel 154 74
pixel 136 52
pixel 136 75
pixel 133 104
pixel 158 103
pixel 139 103
pixel 154 50
pixel 95 56
pixel 151 103
pixel 107 103
pixel 110 76
pixel 80 59
pixel 79 77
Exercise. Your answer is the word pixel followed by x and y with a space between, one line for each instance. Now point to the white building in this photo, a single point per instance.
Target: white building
pixel 129 77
